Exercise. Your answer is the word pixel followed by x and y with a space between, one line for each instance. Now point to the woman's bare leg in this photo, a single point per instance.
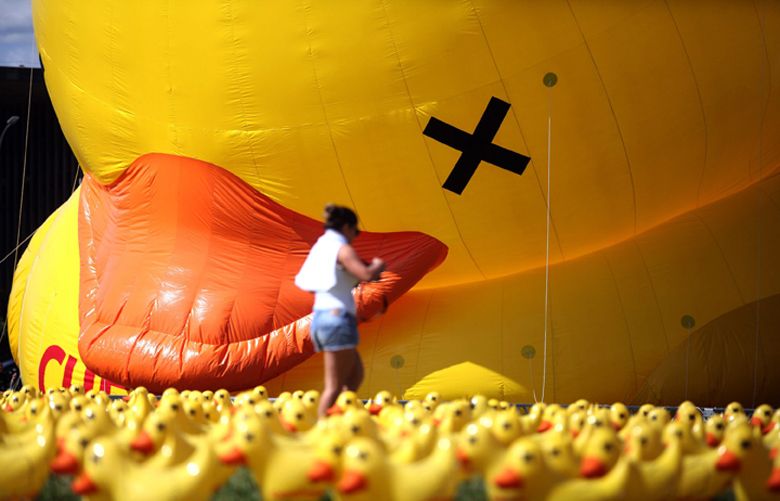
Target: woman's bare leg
pixel 355 376
pixel 338 367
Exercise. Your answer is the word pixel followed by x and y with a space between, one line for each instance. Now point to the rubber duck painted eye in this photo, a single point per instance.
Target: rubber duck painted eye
pixel 746 444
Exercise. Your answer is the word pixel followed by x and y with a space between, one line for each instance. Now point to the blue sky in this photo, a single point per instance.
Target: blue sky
pixel 17 42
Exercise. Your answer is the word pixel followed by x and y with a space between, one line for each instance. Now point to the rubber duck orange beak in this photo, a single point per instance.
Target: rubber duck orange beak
pixel 728 461
pixel 508 478
pixel 712 440
pixel 352 481
pixel 544 426
pixel 463 458
pixel 592 467
pixel 320 472
pixel 83 485
pixel 616 426
pixel 768 428
pixel 288 425
pixel 773 484
pixel 374 409
pixel 143 443
pixel 235 457
pixel 756 421
pixel 334 410
pixel 64 463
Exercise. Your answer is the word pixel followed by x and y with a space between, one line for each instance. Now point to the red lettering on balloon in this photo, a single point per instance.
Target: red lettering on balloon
pixel 68 377
pixel 53 352
pixel 89 379
pixel 56 353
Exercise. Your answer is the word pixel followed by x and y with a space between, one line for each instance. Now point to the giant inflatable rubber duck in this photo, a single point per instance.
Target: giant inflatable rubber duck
pixel 576 199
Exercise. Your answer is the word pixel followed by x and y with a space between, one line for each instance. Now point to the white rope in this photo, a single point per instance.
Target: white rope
pixel 533 386
pixel 24 171
pixel 687 357
pixel 3 332
pixel 547 254
pixel 12 251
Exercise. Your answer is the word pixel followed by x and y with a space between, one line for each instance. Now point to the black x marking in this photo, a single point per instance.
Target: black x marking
pixel 476 147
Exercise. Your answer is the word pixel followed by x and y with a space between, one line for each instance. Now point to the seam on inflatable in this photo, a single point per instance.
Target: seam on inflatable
pixel 307 7
pixel 57 215
pixel 517 122
pixel 698 95
pixel 655 294
pixel 625 321
pixel 422 334
pixel 611 107
pixel 425 144
pixel 722 254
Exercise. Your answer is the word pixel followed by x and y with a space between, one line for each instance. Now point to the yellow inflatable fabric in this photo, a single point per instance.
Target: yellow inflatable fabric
pixel 663 126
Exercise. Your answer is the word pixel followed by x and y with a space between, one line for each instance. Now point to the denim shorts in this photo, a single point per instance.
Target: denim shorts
pixel 333 330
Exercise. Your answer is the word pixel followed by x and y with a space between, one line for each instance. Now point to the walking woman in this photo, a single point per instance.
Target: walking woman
pixel 331 271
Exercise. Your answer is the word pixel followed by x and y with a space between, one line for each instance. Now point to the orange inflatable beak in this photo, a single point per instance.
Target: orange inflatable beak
pixel 187 277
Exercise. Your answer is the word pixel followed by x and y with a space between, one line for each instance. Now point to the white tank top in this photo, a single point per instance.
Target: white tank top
pixel 340 295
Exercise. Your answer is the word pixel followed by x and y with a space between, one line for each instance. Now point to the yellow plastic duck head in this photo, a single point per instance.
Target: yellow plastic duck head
pixel 523 461
pixel 762 418
pixel 601 453
pixel 643 442
pixel 70 452
pixel 733 410
pixel 715 429
pixel 363 466
pixel 296 417
pixel 506 427
pixel 619 415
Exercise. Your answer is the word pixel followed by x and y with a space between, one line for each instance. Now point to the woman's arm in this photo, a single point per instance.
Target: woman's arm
pixel 352 262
